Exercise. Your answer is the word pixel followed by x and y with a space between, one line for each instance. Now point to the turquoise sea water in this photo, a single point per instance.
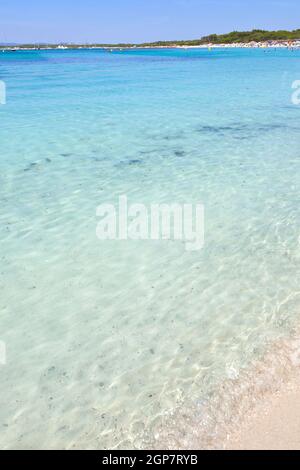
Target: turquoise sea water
pixel 108 343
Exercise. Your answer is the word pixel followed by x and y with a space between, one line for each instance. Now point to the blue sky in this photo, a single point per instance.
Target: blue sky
pixel 138 20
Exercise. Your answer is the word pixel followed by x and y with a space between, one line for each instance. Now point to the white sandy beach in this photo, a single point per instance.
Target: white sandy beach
pixel 271 418
pixel 272 425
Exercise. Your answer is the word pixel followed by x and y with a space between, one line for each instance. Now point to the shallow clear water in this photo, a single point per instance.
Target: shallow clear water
pixel 106 339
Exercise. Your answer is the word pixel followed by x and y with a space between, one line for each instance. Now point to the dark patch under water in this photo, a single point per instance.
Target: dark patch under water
pixel 179 153
pixel 34 165
pixel 239 130
pixel 132 162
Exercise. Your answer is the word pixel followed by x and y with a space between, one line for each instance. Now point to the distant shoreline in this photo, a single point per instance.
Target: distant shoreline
pixel 251 45
pixel 255 38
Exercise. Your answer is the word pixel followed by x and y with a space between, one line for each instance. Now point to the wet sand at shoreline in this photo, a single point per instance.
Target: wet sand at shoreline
pixel 274 424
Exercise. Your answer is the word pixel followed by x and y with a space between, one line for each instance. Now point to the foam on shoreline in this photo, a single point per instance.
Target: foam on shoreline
pixel 216 422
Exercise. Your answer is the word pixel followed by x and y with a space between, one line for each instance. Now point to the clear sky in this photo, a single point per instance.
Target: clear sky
pixel 138 20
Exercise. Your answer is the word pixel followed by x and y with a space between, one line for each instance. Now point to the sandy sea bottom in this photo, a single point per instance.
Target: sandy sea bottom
pixel 138 344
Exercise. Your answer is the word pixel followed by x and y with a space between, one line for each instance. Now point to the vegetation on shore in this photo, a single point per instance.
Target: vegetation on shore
pixel 256 35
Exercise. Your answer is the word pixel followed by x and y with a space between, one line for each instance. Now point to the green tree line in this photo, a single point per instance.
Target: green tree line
pixel 256 35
